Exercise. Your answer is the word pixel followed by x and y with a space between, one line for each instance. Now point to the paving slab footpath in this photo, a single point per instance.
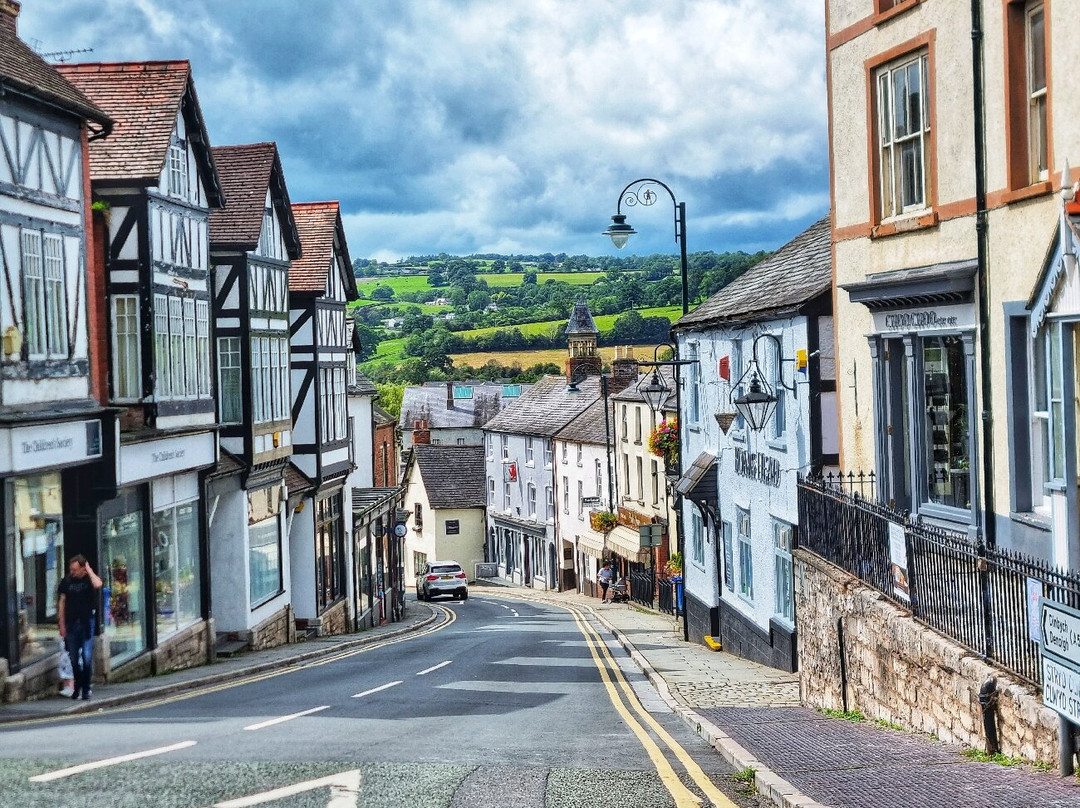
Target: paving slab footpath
pixel 751 714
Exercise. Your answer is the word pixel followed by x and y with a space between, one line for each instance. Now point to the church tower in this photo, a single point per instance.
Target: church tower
pixel 581 334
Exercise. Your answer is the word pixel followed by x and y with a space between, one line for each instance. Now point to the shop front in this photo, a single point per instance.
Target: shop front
pixel 51 472
pixel 377 586
pixel 152 558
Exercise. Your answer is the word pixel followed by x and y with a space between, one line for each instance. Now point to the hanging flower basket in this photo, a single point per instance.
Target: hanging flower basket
pixel 602 521
pixel 664 441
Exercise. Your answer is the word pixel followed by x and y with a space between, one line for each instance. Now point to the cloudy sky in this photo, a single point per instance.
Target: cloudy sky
pixel 507 126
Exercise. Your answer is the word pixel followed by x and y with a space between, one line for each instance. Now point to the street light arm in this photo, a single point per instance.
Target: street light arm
pixel 634 197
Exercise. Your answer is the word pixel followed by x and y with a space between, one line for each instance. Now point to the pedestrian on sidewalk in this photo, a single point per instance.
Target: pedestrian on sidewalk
pixel 604 577
pixel 78 611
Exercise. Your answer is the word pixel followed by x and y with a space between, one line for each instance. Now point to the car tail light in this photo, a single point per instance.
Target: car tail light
pixel 433 577
pixel 460 575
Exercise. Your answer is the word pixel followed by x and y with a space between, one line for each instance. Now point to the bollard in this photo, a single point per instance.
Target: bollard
pixel 987 701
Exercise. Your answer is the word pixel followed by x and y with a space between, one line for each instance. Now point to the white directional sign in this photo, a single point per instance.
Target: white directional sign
pixel 344 792
pixel 1061 689
pixel 1061 632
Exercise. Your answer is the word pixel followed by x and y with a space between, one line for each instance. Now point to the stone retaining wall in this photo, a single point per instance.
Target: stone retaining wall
pixel 900 671
pixel 189 648
pixel 275 630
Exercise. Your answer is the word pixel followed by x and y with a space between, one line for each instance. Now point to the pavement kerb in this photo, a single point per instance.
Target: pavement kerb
pixel 172 688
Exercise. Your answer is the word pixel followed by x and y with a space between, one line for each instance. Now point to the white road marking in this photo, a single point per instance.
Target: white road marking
pixel 285 718
pixel 435 667
pixel 377 689
pixel 344 792
pixel 100 764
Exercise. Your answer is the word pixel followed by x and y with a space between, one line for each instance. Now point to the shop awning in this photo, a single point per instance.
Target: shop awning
pixel 367 501
pixel 624 541
pixel 1058 289
pixel 591 545
pixel 948 282
pixel 698 482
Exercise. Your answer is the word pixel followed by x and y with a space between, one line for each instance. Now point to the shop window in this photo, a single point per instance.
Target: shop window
pixel 264 561
pixel 903 132
pixel 785 596
pixel 124 578
pixel 697 539
pixel 177 589
pixel 1027 93
pixel 948 447
pixel 746 554
pixel 329 553
pixel 40 562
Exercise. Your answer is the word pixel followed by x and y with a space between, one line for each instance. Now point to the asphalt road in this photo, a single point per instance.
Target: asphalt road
pixel 502 703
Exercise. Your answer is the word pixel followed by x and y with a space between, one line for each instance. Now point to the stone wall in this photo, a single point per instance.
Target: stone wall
pixel 701 619
pixel 900 671
pixel 335 620
pixel 189 648
pixel 275 630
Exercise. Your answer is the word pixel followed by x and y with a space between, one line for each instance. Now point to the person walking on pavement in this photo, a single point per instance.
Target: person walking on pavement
pixel 78 610
pixel 604 577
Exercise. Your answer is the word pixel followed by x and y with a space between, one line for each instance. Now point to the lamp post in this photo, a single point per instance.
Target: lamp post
pixel 640 192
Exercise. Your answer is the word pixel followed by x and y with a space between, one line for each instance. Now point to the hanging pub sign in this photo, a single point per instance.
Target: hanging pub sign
pixel 510 474
pixel 760 467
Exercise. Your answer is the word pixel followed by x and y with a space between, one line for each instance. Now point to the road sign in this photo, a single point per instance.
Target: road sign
pixel 1061 689
pixel 1060 632
pixel 344 792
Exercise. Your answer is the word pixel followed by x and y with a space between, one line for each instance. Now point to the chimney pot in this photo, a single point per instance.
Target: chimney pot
pixel 9 14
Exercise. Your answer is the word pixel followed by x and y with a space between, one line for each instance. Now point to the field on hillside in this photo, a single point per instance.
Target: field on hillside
pixel 604 322
pixel 495 280
pixel 525 359
pixel 400 285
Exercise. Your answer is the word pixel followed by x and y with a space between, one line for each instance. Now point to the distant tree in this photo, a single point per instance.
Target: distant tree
pixel 436 278
pixel 370 338
pixel 478 300
pixel 416 322
pixel 498 265
pixel 529 277
pixel 390 396
pixel 458 297
pixel 382 292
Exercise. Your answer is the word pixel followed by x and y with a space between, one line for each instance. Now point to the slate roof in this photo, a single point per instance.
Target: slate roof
pixel 581 321
pixel 381 416
pixel 793 275
pixel 429 403
pixel 297 482
pixel 318 223
pixel 24 71
pixel 246 173
pixel 143 99
pixel 454 476
pixel 547 407
pixel 589 427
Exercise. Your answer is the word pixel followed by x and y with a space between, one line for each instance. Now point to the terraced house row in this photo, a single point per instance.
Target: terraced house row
pixel 178 391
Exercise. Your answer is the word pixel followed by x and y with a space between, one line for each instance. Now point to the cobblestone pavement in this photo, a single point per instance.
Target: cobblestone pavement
pixel 810 759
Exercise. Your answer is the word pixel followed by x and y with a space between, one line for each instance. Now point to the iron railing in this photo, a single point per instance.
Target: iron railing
pixel 665 600
pixel 642 587
pixel 981 597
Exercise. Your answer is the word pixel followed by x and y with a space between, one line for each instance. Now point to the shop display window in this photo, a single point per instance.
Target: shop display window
pixel 123 573
pixel 39 563
pixel 329 552
pixel 948 468
pixel 264 560
pixel 177 592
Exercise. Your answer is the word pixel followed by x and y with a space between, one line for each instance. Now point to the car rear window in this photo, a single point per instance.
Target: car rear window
pixel 445 568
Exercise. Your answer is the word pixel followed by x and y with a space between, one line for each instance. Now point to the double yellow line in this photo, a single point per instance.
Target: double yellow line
pixel 627 700
pixel 449 618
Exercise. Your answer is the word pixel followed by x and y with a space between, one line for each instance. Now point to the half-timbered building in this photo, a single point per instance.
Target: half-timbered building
pixel 320 284
pixel 252 241
pixel 156 180
pixel 53 431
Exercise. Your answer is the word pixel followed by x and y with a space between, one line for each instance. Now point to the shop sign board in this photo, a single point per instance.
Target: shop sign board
pixel 157 458
pixel 1060 645
pixel 42 446
pixel 919 320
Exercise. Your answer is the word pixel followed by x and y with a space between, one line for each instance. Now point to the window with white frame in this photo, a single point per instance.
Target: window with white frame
pixel 202 346
pixel 549 453
pixel 334 408
pixel 181 347
pixel 638 464
pixel 531 492
pixel 191 359
pixel 785 595
pixel 1035 51
pixel 1055 375
pixel 579 454
pixel 178 169
pixel 565 495
pixel 580 498
pixel 780 410
pixel 626 475
pixel 746 554
pixel 230 384
pixel 127 368
pixel 637 424
pixel 695 384
pixel 550 499
pixel 530 453
pixel 564 453
pixel 625 427
pixel 490 446
pixel 654 470
pixel 44 300
pixel 161 346
pixel 505 447
pixel 506 496
pixel 491 491
pixel 598 473
pixel 697 538
pixel 736 376
pixel 903 118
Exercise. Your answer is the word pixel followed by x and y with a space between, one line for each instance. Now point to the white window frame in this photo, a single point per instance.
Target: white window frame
pixel 530 452
pixel 162 348
pixel 52 257
pixel 745 549
pixel 549 454
pixel 1038 125
pixel 565 495
pixel 697 538
pixel 506 497
pixel 230 360
pixel 530 502
pixel 892 140
pixel 654 467
pixel 126 373
pixel 784 602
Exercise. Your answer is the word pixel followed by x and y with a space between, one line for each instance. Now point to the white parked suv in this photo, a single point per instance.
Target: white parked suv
pixel 442 578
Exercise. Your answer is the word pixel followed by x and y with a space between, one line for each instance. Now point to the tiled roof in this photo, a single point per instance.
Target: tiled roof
pixel 143 99
pixel 317 223
pixel 589 427
pixel 547 407
pixel 381 416
pixel 247 172
pixel 795 274
pixel 581 321
pixel 23 70
pixel 297 482
pixel 429 403
pixel 454 476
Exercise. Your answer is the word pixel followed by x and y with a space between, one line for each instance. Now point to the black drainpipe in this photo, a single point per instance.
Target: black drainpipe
pixel 982 247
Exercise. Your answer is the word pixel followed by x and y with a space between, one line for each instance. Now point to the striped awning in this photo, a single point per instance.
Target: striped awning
pixel 624 541
pixel 591 545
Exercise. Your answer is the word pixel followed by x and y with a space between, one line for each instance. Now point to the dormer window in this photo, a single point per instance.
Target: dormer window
pixel 178 171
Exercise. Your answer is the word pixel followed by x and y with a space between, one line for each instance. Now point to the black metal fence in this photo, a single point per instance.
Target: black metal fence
pixel 665 600
pixel 982 597
pixel 642 589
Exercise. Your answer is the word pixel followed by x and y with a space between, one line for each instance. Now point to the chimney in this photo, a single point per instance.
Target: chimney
pixel 624 369
pixel 449 395
pixel 421 435
pixel 9 15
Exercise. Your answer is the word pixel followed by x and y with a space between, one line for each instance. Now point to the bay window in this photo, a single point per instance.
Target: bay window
pixel 127 378
pixel 230 384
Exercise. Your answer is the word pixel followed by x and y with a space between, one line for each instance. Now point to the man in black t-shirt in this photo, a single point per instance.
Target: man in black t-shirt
pixel 78 610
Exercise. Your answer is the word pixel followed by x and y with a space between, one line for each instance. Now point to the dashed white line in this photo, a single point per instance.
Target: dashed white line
pixel 377 689
pixel 435 667
pixel 101 764
pixel 284 718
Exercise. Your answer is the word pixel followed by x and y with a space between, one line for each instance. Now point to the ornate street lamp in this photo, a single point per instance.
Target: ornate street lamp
pixel 655 392
pixel 757 405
